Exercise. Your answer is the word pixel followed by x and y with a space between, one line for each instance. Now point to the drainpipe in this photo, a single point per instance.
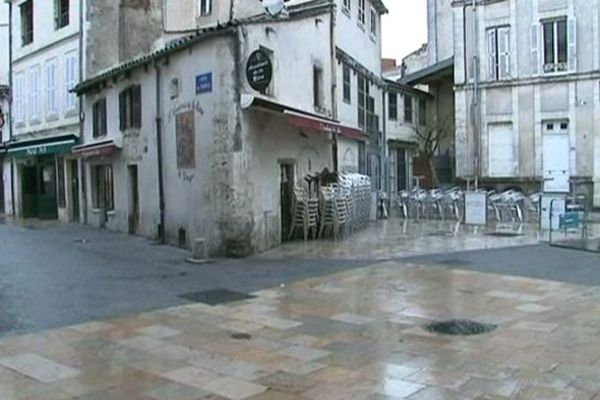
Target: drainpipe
pixel 475 104
pixel 159 155
pixel 82 189
pixel 384 152
pixel 334 107
pixel 10 103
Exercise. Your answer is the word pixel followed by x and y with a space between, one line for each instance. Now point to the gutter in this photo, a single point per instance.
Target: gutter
pixel 159 156
pixel 10 103
pixel 334 108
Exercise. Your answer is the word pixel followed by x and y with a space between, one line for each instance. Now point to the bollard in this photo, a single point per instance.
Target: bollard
pixel 199 252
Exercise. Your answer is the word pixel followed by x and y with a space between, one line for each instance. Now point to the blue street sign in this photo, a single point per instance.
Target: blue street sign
pixel 204 83
pixel 569 220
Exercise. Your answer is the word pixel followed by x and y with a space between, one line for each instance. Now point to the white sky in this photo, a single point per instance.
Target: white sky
pixel 404 28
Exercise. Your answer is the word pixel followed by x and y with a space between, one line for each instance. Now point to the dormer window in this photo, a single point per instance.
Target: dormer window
pixel 205 7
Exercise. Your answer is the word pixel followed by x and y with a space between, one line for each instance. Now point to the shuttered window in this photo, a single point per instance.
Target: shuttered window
pixel 130 107
pixel 71 78
pixel 347 84
pixel 556 41
pixel 393 106
pixel 498 40
pixel 19 99
pixel 501 151
pixel 51 100
pixel 34 92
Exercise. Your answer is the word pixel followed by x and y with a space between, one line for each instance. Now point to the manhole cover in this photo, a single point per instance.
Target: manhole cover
pixel 216 296
pixel 504 234
pixel 241 336
pixel 462 327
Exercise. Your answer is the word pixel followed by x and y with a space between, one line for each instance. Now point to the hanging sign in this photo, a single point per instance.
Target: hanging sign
pixel 259 70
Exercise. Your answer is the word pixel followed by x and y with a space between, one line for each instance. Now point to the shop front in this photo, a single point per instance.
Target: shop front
pixel 40 175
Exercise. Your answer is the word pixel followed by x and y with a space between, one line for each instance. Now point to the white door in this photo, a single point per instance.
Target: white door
pixel 501 151
pixel 556 163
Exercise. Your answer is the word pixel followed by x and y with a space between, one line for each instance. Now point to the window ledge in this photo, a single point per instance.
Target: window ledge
pixel 346 11
pixel 361 26
pixel 111 213
pixel 349 102
pixel 373 38
pixel 52 117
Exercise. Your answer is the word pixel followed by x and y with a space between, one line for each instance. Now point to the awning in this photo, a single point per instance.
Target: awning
pixel 41 147
pixel 301 118
pixel 98 149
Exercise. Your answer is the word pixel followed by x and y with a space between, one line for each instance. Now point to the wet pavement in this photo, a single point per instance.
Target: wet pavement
pixel 351 335
pixel 329 320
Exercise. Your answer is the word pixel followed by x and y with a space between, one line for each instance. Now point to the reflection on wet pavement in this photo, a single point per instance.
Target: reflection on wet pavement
pixel 351 335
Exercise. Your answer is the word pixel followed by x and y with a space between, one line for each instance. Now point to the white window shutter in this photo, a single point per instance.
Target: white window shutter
pixel 504 53
pixel 492 54
pixel 535 49
pixel 572 40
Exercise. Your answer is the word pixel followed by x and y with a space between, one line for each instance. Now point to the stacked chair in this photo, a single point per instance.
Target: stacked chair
pixel 305 214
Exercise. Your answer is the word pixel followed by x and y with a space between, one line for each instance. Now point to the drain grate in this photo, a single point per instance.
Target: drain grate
pixel 216 296
pixel 241 336
pixel 460 327
pixel 504 234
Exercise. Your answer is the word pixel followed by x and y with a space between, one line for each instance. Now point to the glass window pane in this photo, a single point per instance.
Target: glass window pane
pixel 549 43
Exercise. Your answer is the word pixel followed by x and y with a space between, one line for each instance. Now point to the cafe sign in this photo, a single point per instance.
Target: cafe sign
pixel 259 70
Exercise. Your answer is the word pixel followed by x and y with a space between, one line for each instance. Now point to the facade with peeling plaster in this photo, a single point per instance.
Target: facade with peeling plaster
pixel 221 149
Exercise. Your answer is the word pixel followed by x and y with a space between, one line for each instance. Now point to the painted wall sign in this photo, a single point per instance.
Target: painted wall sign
pixel 204 83
pixel 259 70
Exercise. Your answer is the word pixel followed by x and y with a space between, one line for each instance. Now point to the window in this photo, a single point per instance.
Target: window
pixel 34 93
pixel 19 99
pixel 347 85
pixel 130 107
pixel 373 22
pixel 99 118
pixel 103 187
pixel 71 78
pixel 205 7
pixel 361 11
pixel 27 22
pixel 555 45
pixel 498 53
pixel 363 92
pixel 317 87
pixel 422 112
pixel 51 101
pixel 408 109
pixel 346 5
pixel 393 106
pixel 61 13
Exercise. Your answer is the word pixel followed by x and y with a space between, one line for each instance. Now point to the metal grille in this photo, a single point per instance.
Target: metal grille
pixel 460 327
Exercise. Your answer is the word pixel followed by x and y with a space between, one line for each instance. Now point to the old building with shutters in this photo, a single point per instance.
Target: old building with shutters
pixel 4 108
pixel 528 99
pixel 40 176
pixel 205 136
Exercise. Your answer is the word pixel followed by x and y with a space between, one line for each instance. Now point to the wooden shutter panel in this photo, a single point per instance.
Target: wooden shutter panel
pixel 103 117
pixel 492 55
pixel 136 106
pixel 95 120
pixel 572 40
pixel 535 49
pixel 504 53
pixel 123 110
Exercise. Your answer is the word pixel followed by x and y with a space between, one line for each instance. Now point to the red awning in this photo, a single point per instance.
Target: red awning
pixel 301 118
pixel 322 124
pixel 100 149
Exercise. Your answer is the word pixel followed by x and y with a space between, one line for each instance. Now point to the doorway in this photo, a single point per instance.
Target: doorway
pixel 401 170
pixel 556 157
pixel 74 190
pixel 286 195
pixel 134 200
pixel 38 188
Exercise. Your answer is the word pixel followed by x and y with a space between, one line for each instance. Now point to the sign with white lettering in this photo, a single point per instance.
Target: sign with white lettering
pixel 259 70
pixel 204 83
pixel 476 208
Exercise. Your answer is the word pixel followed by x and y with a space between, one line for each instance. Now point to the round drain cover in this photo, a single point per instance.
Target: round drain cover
pixel 460 327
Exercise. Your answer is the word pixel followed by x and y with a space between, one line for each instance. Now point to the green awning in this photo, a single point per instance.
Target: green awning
pixel 41 149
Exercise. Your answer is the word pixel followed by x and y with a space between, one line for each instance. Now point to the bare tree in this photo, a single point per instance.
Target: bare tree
pixel 429 138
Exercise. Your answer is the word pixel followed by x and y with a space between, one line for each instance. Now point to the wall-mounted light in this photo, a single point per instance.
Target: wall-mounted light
pixel 270 30
pixel 318 21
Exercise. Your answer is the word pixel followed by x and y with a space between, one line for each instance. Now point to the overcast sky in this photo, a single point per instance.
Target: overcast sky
pixel 404 28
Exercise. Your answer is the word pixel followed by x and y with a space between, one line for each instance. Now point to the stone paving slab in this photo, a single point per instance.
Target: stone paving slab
pixel 363 341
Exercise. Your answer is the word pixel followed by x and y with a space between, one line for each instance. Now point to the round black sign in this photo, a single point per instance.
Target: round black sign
pixel 259 70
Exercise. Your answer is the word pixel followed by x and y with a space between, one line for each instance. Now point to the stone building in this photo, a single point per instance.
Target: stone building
pixel 40 176
pixel 177 143
pixel 527 93
pixel 4 107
